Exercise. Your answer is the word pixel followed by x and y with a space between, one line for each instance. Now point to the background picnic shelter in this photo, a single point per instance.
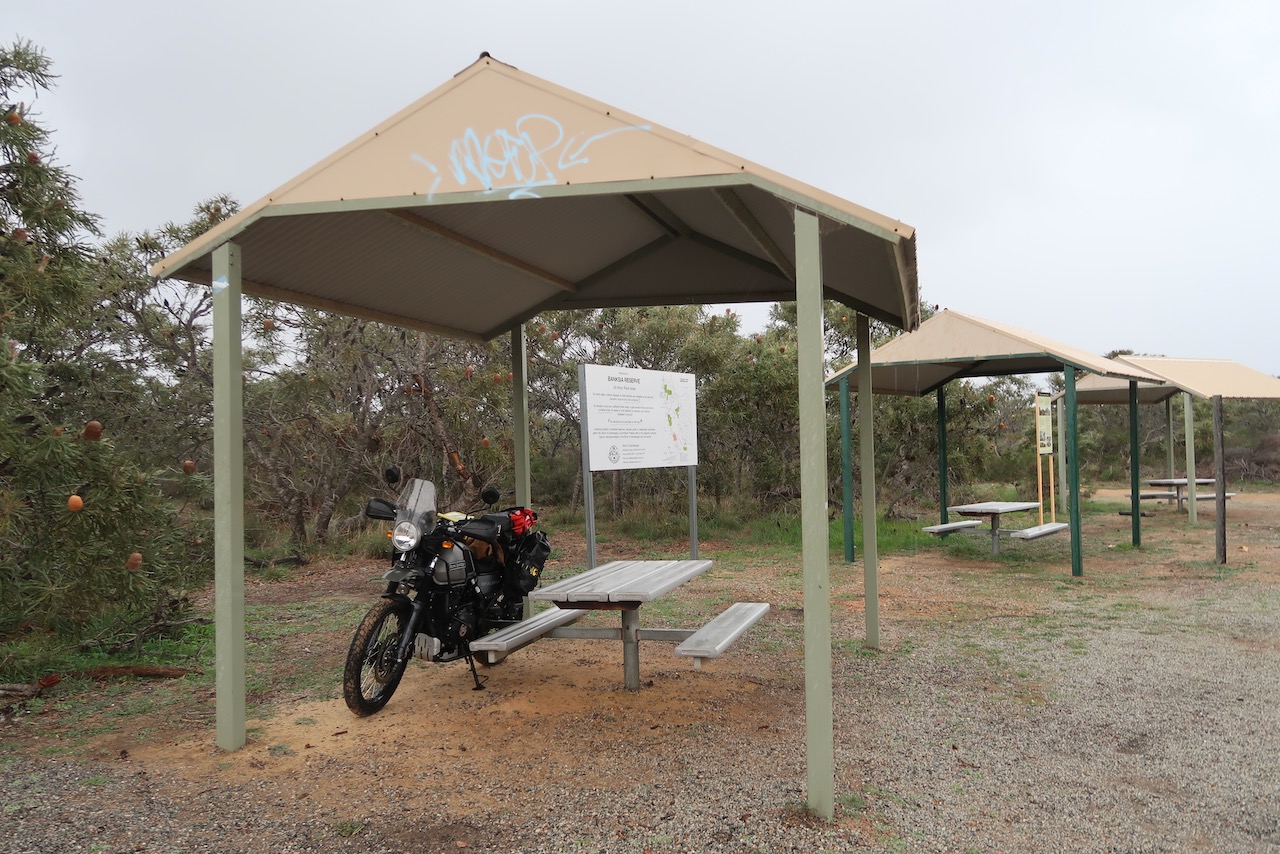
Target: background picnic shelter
pixel 1206 379
pixel 951 346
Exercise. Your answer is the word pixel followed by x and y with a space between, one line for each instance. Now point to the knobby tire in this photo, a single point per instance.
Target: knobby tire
pixel 371 675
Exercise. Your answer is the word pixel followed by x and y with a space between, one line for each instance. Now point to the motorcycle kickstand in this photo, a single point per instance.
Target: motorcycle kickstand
pixel 471 660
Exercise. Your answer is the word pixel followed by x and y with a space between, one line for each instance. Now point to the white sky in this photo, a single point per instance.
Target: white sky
pixel 1102 172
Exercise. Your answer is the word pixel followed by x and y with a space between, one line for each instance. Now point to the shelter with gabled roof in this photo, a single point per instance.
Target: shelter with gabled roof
pixel 1205 379
pixel 399 225
pixel 951 345
pixel 500 195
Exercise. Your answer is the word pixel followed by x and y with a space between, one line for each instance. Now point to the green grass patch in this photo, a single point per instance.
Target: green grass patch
pixel 852 803
pixel 347 829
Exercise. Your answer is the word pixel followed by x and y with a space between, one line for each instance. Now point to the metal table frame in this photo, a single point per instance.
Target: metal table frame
pixel 993 510
pixel 622 585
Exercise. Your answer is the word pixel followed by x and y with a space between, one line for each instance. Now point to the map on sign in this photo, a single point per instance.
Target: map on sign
pixel 636 419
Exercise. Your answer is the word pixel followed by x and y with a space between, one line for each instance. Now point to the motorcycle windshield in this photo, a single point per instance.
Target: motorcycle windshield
pixel 417 503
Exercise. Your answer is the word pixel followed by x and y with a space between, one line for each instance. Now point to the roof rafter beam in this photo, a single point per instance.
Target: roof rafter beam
pixel 667 220
pixel 734 253
pixel 733 203
pixel 461 241
pixel 625 261
pixel 662 215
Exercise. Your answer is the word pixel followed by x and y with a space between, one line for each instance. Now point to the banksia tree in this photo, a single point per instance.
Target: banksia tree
pixel 84 534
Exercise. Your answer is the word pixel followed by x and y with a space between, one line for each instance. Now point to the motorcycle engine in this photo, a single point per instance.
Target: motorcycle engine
pixel 456 618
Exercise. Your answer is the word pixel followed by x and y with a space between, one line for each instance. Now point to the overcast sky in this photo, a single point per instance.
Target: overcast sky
pixel 1102 172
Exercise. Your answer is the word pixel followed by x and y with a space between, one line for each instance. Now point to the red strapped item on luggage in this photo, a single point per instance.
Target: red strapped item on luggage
pixel 522 521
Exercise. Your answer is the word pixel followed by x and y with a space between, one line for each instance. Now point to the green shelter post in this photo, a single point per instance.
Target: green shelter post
pixel 1073 471
pixel 1220 485
pixel 228 500
pixel 1135 454
pixel 866 445
pixel 1189 425
pixel 1168 437
pixel 942 454
pixel 819 714
pixel 846 467
pixel 520 426
pixel 520 415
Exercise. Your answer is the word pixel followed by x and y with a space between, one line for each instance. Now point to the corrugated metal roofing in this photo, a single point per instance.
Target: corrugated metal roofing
pixel 499 195
pixel 951 345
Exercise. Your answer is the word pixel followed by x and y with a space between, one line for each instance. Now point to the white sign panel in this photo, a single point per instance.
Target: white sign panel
pixel 637 419
pixel 1044 425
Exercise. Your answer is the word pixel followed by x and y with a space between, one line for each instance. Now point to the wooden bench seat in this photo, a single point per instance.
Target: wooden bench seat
pixel 1038 531
pixel 715 637
pixel 496 646
pixel 951 527
pixel 1212 495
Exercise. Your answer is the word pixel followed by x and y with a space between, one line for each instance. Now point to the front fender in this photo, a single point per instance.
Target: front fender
pixel 396 574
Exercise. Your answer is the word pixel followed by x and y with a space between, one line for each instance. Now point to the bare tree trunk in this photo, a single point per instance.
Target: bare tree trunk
pixel 577 487
pixel 298 520
pixel 325 515
pixel 471 481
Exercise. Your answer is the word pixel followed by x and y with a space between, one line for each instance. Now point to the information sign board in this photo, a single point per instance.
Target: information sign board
pixel 635 419
pixel 1044 425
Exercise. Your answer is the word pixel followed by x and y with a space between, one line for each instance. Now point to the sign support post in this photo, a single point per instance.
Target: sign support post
pixel 633 419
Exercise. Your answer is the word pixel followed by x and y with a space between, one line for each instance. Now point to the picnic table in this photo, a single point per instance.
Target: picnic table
pixel 992 511
pixel 625 586
pixel 1179 484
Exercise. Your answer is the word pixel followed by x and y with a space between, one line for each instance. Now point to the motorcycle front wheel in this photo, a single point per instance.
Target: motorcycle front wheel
pixel 372 674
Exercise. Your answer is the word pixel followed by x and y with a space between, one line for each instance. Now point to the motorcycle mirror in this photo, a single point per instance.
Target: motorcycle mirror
pixel 490 495
pixel 392 474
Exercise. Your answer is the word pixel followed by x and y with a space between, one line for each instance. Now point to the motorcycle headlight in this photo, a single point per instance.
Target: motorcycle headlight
pixel 406 536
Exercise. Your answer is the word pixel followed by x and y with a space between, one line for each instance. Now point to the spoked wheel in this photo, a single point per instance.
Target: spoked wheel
pixel 372 675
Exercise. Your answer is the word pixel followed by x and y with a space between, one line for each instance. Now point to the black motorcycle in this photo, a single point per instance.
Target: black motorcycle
pixel 454 577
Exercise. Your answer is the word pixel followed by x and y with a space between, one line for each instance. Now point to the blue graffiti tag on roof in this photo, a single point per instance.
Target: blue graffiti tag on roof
pixel 534 154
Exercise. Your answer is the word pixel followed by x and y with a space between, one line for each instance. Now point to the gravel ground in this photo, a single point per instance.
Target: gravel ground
pixel 1144 719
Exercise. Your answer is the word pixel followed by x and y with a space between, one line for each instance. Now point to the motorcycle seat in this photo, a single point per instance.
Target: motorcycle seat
pixel 484 528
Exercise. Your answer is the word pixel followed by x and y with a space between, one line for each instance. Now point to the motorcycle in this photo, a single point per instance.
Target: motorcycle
pixel 454 577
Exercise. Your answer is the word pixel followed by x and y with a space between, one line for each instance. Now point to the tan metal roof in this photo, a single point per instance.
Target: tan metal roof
pixel 405 225
pixel 1203 378
pixel 951 345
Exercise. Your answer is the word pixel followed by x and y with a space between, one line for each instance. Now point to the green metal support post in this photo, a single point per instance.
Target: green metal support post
pixel 1135 455
pixel 866 445
pixel 943 500
pixel 819 715
pixel 520 425
pixel 1168 436
pixel 1073 471
pixel 520 415
pixel 1189 424
pixel 846 468
pixel 228 500
pixel 1220 485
